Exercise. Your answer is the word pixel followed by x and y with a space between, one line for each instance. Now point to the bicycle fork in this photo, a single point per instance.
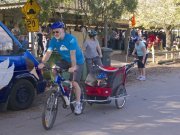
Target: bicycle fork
pixel 65 94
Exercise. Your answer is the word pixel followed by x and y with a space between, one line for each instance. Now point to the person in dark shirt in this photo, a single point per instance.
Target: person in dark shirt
pixel 40 43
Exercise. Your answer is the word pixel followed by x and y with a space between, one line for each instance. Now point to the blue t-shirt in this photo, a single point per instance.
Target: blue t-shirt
pixel 64 47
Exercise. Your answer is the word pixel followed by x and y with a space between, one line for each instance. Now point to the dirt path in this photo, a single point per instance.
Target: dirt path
pixel 152 108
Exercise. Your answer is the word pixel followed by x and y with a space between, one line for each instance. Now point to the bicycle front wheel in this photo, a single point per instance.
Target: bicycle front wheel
pixel 50 110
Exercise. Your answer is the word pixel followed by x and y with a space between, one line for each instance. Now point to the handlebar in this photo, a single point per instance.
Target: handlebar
pixel 130 65
pixel 55 67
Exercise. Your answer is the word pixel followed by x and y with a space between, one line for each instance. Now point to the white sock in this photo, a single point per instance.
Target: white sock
pixel 77 102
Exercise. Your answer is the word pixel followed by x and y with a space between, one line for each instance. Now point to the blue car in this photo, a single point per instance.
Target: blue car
pixel 20 80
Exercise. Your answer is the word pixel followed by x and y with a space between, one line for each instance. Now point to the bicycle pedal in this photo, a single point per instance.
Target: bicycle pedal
pixel 65 106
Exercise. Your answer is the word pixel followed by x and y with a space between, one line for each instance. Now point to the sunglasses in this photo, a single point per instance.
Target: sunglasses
pixel 55 32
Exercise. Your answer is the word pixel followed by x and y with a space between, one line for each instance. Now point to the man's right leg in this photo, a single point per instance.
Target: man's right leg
pixel 77 90
pixel 76 80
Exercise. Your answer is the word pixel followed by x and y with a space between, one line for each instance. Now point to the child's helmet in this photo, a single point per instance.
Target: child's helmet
pixel 92 33
pixel 101 75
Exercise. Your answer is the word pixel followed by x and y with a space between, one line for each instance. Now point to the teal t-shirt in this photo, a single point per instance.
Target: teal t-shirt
pixel 64 47
pixel 139 48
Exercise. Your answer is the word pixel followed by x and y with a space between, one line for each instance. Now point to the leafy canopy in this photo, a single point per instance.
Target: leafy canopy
pixel 110 9
pixel 158 13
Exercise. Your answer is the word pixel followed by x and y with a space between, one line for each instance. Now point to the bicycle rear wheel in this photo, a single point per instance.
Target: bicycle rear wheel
pixel 120 95
pixel 50 110
pixel 83 96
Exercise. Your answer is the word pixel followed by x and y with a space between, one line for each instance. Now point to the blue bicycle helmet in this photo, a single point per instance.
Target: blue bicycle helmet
pixel 92 33
pixel 56 25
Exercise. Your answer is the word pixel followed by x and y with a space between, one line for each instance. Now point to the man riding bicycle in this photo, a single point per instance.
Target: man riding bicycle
pixel 71 58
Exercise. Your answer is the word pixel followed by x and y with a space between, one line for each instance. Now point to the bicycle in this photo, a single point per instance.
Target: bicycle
pixel 59 91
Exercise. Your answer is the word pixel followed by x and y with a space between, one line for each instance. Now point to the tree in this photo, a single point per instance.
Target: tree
pixel 160 14
pixel 107 11
pixel 49 8
pixel 98 10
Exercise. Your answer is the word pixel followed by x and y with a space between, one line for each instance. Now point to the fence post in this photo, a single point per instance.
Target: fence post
pixel 153 54
pixel 161 46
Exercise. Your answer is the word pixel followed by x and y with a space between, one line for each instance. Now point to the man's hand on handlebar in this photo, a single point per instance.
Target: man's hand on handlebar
pixel 41 65
pixel 72 69
pixel 134 55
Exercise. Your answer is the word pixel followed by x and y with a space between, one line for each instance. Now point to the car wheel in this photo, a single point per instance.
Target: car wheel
pixel 22 95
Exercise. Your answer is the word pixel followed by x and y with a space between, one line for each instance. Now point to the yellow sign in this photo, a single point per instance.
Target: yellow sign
pixel 32 25
pixel 31 9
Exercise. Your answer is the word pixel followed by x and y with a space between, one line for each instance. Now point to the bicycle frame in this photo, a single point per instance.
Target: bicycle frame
pixel 61 90
pixel 58 80
pixel 128 67
pixel 51 106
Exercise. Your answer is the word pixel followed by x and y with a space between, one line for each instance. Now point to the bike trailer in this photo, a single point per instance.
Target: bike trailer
pixel 104 80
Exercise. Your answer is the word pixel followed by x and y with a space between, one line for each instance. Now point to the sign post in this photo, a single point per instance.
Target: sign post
pixel 31 10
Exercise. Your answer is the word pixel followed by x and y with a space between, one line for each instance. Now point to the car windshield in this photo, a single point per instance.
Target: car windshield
pixel 7 45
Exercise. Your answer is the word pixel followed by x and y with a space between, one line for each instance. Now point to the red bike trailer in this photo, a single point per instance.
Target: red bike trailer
pixel 112 87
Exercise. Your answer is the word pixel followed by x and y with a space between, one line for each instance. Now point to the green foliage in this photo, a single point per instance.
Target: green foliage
pixel 130 5
pixel 50 7
pixel 158 13
pixel 109 9
pixel 97 9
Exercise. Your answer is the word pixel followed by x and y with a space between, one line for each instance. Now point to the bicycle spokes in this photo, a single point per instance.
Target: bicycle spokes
pixel 50 111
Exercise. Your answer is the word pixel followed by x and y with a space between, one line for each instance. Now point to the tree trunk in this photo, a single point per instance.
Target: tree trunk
pixel 168 37
pixel 126 40
pixel 105 33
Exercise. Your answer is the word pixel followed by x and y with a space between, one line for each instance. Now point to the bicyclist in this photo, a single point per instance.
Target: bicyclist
pixel 71 55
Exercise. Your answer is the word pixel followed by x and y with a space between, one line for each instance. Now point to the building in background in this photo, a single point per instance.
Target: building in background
pixel 10 12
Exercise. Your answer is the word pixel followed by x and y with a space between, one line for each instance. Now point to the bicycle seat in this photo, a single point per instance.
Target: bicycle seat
pixel 68 82
pixel 108 68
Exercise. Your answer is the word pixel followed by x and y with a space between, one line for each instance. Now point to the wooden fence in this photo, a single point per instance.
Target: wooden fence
pixel 172 54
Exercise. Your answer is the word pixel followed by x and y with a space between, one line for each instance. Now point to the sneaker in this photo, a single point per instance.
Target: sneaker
pixel 78 109
pixel 138 77
pixel 143 78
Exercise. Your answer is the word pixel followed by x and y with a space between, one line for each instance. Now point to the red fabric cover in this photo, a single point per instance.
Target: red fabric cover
pixel 109 68
pixel 98 91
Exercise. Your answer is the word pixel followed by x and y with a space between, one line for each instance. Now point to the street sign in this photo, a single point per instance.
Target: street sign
pixel 31 9
pixel 32 25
